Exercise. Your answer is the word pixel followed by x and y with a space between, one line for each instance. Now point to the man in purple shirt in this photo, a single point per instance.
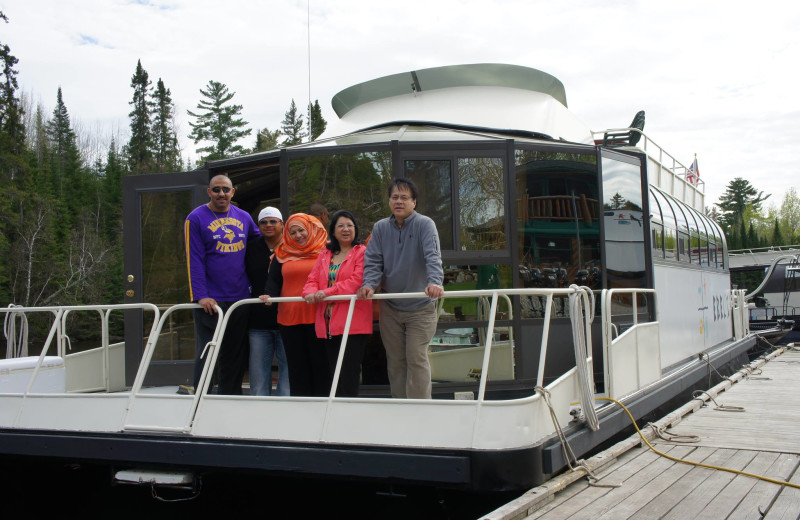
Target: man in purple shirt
pixel 216 235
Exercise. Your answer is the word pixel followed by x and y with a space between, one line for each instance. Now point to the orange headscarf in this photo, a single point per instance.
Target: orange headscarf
pixel 289 250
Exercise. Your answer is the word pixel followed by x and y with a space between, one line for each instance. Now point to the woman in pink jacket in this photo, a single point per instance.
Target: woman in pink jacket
pixel 339 270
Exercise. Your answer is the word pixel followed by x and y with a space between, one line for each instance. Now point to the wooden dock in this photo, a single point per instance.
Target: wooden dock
pixel 749 423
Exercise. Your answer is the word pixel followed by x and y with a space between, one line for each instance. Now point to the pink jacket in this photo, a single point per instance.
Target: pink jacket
pixel 348 281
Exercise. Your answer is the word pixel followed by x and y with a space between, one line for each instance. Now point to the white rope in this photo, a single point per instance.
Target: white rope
pixel 581 315
pixel 15 346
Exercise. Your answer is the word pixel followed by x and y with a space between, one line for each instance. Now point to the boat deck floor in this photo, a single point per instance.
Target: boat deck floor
pixel 757 430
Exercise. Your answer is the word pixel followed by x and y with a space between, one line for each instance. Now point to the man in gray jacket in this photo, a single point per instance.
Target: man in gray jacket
pixel 403 255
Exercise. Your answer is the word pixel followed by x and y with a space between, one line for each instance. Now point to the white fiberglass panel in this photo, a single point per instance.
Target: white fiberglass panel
pixel 9 407
pixel 634 359
pixel 160 412
pixel 693 311
pixel 273 418
pixel 484 107
pixel 384 422
pixel 680 313
pixel 93 412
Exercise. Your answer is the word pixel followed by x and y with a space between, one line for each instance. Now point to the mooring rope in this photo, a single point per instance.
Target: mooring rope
pixel 16 346
pixel 581 315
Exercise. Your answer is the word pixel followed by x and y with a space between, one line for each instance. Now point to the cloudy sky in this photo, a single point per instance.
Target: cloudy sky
pixel 716 78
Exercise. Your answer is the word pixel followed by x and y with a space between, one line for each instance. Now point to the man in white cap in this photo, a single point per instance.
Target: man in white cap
pixel 265 339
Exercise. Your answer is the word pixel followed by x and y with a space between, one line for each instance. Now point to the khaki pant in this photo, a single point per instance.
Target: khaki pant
pixel 406 335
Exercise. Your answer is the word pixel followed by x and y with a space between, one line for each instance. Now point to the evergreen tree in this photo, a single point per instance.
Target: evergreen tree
pixel 316 122
pixel 165 140
pixel 13 164
pixel 67 178
pixel 218 123
pixel 139 149
pixel 292 127
pixel 777 236
pixel 12 132
pixel 267 140
pixel 738 195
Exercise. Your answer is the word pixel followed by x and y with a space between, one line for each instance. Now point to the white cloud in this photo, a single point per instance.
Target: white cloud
pixel 716 78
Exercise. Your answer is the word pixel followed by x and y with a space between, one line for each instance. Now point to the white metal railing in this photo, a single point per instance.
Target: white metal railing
pixel 642 358
pixel 58 332
pixel 767 249
pixel 741 318
pixel 689 187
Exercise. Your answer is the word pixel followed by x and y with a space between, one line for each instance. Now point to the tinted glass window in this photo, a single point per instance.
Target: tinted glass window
pixel 558 228
pixel 481 203
pixel 623 223
pixel 355 182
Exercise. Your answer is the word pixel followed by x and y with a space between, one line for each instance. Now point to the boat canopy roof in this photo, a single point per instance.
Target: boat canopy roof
pixel 485 96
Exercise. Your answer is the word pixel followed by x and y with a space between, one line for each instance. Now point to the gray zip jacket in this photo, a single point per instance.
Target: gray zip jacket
pixel 404 259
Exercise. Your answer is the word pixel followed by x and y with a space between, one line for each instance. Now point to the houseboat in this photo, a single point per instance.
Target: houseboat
pixel 578 265
pixel 771 277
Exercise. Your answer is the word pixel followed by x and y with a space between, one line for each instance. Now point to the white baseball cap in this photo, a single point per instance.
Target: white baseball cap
pixel 269 211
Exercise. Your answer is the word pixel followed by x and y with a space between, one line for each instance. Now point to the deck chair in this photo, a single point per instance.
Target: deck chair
pixel 627 137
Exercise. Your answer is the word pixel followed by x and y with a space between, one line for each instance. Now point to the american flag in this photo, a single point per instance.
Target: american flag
pixel 694 172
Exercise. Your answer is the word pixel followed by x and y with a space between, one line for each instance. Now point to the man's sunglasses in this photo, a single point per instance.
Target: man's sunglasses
pixel 271 222
pixel 225 189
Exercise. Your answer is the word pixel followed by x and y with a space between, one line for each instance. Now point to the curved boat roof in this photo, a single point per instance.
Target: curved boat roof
pixel 487 96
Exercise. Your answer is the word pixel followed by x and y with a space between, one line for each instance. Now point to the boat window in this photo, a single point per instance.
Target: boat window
pixel 694 235
pixel 433 180
pixel 703 225
pixel 683 229
pixel 481 203
pixel 670 243
pixel 670 225
pixel 683 247
pixel 356 182
pixel 722 246
pixel 558 228
pixel 656 227
pixel 623 224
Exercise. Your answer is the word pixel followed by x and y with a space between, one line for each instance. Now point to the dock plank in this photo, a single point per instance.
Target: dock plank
pixel 726 501
pixel 787 505
pixel 581 495
pixel 763 493
pixel 761 440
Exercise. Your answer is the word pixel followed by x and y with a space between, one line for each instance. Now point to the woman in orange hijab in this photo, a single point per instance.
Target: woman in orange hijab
pixel 303 238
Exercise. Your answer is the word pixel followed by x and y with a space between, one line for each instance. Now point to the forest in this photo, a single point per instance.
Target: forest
pixel 61 239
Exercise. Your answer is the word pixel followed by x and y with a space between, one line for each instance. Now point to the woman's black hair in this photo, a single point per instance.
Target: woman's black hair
pixel 333 245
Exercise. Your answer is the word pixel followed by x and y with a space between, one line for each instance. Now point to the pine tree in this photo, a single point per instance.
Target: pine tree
pixel 317 123
pixel 140 145
pixel 165 140
pixel 12 131
pixel 777 236
pixel 68 180
pixel 738 195
pixel 292 127
pixel 218 123
pixel 267 140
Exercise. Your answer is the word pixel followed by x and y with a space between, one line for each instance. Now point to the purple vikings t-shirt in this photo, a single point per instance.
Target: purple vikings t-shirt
pixel 215 246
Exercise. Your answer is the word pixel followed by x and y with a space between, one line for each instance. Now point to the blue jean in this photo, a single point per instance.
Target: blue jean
pixel 264 344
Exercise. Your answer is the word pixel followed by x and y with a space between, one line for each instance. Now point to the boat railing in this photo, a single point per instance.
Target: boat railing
pixel 632 348
pixel 739 310
pixel 87 371
pixel 665 171
pixel 767 249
